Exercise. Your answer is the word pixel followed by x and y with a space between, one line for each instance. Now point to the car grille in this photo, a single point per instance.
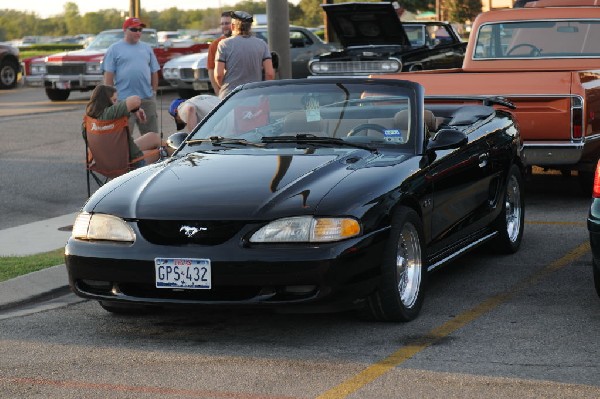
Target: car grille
pixel 186 73
pixel 65 69
pixel 172 232
pixel 201 74
pixel 355 67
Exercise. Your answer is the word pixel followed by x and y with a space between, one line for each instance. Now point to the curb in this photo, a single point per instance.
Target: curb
pixel 32 286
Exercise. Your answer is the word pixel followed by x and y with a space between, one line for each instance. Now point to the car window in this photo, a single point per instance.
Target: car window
pixel 104 39
pixel 539 39
pixel 416 35
pixel 351 112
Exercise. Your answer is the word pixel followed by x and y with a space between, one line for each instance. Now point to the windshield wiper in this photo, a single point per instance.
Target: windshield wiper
pixel 312 139
pixel 220 140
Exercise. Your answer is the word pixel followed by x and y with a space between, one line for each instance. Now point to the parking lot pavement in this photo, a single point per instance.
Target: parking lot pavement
pixel 42 236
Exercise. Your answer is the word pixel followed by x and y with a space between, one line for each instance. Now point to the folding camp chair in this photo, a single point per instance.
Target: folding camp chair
pixel 107 149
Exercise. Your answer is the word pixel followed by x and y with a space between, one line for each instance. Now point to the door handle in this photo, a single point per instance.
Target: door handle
pixel 483 160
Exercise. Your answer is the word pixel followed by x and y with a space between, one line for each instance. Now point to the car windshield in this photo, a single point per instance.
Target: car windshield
pixel 105 39
pixel 538 39
pixel 323 113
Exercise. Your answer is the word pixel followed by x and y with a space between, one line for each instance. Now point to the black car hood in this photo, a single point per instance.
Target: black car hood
pixel 226 185
pixel 362 24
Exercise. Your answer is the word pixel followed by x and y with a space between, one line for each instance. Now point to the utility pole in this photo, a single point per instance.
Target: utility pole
pixel 278 24
pixel 134 8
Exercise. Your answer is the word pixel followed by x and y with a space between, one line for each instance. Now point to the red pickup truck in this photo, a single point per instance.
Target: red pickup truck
pixel 81 70
pixel 545 59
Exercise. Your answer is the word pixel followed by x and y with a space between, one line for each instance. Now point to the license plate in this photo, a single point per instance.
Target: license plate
pixel 200 86
pixel 63 85
pixel 184 273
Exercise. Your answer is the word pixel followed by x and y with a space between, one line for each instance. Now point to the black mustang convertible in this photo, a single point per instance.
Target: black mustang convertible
pixel 307 194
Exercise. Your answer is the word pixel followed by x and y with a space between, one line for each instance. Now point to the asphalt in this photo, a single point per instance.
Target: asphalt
pixel 42 236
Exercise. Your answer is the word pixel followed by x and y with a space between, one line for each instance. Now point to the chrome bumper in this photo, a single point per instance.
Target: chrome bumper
pixel 64 82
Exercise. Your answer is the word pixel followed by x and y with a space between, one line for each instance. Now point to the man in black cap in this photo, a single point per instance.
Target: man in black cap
pixel 242 58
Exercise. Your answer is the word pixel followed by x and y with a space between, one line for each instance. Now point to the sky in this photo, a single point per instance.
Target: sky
pixel 47 8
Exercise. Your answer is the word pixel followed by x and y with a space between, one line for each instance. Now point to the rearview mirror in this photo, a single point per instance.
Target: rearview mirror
pixel 175 140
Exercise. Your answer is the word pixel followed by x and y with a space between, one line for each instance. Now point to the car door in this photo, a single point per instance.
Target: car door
pixel 460 201
pixel 446 50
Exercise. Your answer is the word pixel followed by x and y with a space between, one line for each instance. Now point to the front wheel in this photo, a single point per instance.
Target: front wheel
pixel 511 221
pixel 400 294
pixel 9 71
pixel 57 94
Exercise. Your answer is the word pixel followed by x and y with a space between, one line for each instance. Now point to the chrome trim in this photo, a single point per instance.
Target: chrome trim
pixel 461 251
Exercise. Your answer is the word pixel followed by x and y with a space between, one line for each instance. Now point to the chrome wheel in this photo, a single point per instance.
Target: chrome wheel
pixel 513 208
pixel 409 265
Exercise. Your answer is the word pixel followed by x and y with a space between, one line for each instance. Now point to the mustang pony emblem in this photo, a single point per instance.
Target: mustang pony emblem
pixel 191 231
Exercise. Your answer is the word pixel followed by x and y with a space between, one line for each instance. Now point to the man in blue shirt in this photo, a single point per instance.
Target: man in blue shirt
pixel 131 66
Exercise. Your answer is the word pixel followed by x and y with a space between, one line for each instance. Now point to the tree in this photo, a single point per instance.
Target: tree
pixel 463 10
pixel 72 19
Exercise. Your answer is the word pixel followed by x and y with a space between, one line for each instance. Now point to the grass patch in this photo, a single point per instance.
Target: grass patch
pixel 13 266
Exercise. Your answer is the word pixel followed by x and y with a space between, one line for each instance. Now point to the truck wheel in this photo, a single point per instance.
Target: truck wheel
pixel 57 94
pixel 401 290
pixel 8 74
pixel 511 221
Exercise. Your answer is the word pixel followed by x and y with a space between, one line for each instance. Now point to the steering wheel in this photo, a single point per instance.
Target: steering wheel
pixel 534 50
pixel 365 127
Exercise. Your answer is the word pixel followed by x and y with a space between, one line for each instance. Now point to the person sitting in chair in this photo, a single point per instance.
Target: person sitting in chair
pixel 103 105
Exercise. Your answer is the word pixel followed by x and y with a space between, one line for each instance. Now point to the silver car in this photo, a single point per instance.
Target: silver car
pixel 188 74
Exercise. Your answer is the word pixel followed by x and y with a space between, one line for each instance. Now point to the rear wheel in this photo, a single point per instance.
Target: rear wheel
pixel 58 94
pixel 400 294
pixel 510 222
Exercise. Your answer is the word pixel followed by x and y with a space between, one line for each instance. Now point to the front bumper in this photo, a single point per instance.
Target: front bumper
pixel 326 276
pixel 63 82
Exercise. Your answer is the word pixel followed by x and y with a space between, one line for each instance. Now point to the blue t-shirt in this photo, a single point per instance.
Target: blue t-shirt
pixel 133 65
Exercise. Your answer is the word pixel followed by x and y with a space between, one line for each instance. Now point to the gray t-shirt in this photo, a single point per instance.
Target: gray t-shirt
pixel 243 57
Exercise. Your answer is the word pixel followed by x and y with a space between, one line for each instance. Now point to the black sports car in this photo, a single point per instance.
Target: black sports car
pixel 306 194
pixel 375 42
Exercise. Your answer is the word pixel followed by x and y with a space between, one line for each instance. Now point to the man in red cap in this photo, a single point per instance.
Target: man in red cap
pixel 131 66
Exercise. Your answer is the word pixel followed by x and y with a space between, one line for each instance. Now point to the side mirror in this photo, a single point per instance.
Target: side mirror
pixel 175 140
pixel 447 139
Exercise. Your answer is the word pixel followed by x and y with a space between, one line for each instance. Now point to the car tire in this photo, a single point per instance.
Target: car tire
pixel 511 221
pixel 57 94
pixel 400 294
pixel 9 72
pixel 125 309
pixel 596 268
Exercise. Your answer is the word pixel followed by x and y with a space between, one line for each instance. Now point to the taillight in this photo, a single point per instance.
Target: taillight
pixel 596 189
pixel 577 117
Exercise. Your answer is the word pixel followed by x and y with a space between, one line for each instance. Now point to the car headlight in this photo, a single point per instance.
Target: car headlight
pixel 93 68
pixel 171 73
pixel 307 229
pixel 38 69
pixel 100 226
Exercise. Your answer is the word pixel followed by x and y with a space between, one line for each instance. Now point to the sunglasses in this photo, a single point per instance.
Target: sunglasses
pixel 135 29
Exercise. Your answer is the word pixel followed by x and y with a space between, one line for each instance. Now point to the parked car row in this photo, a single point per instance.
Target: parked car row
pixel 80 70
pixel 188 74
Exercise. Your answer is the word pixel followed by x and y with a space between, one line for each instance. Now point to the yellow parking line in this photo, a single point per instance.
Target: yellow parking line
pixel 378 369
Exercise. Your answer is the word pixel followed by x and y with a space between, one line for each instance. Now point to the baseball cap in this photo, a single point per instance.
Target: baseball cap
pixel 242 16
pixel 174 105
pixel 132 23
